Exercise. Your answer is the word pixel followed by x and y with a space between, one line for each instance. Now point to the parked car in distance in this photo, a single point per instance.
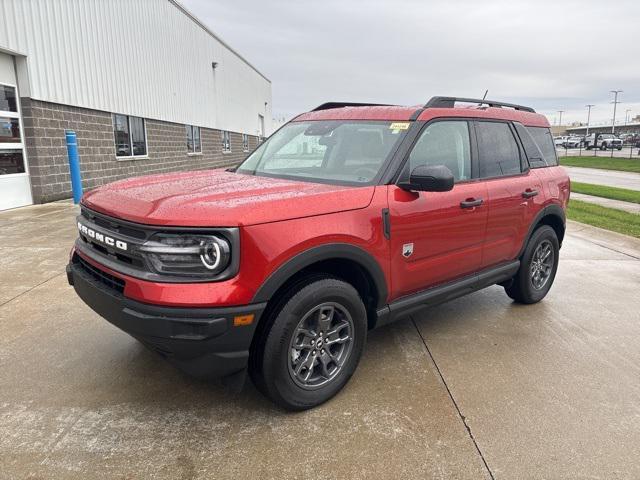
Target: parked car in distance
pixel 348 218
pixel 602 141
pixel 560 141
pixel 573 142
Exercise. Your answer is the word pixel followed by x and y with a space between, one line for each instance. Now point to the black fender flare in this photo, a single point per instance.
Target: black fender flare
pixel 327 251
pixel 553 210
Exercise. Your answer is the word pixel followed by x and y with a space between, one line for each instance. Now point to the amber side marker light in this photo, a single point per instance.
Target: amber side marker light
pixel 241 320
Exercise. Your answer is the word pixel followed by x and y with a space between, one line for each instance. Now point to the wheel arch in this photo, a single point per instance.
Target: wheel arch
pixel 552 215
pixel 347 262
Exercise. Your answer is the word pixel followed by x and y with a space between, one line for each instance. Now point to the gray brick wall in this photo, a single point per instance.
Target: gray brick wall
pixel 44 126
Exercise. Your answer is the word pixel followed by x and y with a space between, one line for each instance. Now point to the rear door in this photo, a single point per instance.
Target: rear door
pixel 514 192
pixel 437 236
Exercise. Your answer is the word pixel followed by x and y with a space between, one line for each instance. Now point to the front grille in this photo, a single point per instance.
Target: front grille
pixel 111 282
pixel 114 225
pixel 119 229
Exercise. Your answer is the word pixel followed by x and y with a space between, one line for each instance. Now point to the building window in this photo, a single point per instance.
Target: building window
pixel 130 136
pixel 8 101
pixel 11 146
pixel 194 145
pixel 9 130
pixel 245 142
pixel 226 142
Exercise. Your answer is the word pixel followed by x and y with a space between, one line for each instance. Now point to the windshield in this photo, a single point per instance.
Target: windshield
pixel 332 151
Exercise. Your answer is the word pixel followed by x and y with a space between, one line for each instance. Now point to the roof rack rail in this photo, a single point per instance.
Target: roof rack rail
pixel 328 105
pixel 449 102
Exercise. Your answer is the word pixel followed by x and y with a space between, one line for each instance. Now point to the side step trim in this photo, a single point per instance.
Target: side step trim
pixel 443 293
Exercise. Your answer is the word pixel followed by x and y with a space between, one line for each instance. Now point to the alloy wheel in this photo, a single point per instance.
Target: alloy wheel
pixel 320 345
pixel 542 263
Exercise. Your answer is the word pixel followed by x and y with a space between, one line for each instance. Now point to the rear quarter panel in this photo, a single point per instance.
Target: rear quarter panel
pixel 556 184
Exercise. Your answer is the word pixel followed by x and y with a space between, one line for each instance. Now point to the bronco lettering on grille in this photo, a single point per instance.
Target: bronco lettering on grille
pixel 101 237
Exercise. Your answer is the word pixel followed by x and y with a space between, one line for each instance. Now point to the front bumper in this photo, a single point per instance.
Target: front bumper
pixel 200 341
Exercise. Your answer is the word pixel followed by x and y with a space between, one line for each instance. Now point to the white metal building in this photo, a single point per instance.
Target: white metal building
pixel 145 85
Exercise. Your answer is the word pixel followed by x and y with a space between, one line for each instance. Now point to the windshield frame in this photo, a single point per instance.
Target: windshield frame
pixel 375 180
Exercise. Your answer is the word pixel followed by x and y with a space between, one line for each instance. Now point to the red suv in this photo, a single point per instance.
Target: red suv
pixel 347 218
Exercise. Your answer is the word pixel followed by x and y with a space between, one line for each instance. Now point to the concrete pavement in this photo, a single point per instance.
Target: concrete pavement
pixel 611 178
pixel 476 388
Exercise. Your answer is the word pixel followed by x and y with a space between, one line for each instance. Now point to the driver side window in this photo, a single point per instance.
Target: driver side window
pixel 444 143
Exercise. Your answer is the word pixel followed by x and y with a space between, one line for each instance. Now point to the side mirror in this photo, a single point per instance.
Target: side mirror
pixel 429 178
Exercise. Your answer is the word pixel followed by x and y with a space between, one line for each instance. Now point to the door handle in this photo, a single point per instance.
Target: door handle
pixel 471 202
pixel 528 193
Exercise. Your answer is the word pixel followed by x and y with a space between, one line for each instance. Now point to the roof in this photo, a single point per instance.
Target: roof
pixel 195 19
pixel 386 112
pixel 526 118
pixel 400 113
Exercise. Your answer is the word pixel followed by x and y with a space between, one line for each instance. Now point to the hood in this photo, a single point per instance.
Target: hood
pixel 217 198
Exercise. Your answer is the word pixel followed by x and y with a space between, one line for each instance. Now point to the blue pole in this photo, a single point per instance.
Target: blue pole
pixel 74 165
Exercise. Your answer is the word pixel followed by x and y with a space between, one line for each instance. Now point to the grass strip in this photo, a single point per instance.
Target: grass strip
pixel 603 163
pixel 603 217
pixel 613 193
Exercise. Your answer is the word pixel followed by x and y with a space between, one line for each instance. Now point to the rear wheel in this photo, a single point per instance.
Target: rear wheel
pixel 313 346
pixel 538 267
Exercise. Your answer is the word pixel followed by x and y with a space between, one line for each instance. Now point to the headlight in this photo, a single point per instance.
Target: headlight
pixel 197 256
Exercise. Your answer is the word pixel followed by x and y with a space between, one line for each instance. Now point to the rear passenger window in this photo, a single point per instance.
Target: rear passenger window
pixel 544 140
pixel 534 155
pixel 444 143
pixel 498 151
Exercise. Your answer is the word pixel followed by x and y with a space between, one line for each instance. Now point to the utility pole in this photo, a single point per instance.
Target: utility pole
pixel 626 117
pixel 560 121
pixel 589 115
pixel 615 105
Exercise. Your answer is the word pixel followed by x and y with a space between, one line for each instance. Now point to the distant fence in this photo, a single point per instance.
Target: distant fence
pixel 627 151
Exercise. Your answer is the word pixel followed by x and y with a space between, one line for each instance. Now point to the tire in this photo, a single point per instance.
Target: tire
pixel 525 287
pixel 619 148
pixel 603 146
pixel 299 379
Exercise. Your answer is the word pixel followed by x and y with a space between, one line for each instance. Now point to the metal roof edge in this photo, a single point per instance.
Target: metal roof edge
pixel 195 19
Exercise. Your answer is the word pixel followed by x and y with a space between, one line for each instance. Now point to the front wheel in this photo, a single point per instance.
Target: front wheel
pixel 313 346
pixel 538 267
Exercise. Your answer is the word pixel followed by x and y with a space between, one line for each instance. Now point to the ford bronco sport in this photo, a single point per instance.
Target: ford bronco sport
pixel 347 218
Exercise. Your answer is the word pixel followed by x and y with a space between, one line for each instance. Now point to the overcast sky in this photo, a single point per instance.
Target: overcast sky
pixel 552 55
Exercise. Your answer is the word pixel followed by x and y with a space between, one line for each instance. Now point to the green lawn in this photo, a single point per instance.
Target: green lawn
pixel 604 163
pixel 608 218
pixel 606 192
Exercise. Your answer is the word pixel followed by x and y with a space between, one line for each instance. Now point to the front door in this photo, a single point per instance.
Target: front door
pixel 437 237
pixel 15 189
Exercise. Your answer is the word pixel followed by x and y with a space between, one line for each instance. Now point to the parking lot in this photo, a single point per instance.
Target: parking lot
pixel 476 388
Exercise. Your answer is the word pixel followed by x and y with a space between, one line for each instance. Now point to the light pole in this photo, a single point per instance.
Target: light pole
pixel 626 116
pixel 589 115
pixel 560 121
pixel 615 105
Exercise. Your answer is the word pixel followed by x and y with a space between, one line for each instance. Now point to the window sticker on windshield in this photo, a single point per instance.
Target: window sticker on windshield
pixel 399 126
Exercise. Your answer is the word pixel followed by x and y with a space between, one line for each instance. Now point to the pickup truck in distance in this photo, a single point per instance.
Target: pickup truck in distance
pixel 347 218
pixel 603 141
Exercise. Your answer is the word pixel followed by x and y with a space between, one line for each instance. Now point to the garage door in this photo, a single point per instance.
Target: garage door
pixel 15 189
